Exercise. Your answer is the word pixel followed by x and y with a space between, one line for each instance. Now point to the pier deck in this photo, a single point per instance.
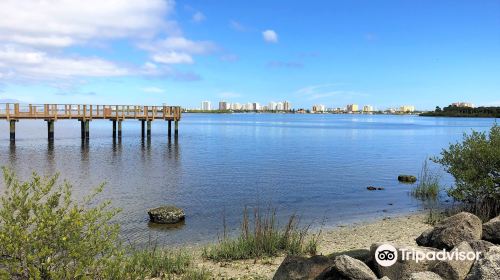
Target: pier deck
pixel 14 112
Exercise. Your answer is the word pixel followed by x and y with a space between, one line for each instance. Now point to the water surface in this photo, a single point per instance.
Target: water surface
pixel 315 165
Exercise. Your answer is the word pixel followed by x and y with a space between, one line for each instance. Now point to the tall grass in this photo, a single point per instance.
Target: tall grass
pixel 264 238
pixel 428 184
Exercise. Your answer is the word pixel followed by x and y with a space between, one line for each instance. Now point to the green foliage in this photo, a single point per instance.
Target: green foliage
pixel 475 165
pixel 44 234
pixel 454 111
pixel 265 239
pixel 428 184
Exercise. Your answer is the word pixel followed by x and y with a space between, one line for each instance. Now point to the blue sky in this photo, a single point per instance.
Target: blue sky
pixel 383 53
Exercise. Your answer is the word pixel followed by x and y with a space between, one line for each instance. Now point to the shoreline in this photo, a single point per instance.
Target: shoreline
pixel 359 235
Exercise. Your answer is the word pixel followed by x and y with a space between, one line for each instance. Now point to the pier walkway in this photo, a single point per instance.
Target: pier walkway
pixel 14 112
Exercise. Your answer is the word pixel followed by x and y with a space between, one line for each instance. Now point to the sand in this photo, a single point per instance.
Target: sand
pixel 400 230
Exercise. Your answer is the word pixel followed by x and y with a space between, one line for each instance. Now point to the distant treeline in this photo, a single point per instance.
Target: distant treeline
pixel 455 111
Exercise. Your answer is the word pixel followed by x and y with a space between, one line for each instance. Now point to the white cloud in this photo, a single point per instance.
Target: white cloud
pixel 322 91
pixel 237 26
pixel 32 64
pixel 198 17
pixel 270 36
pixel 172 57
pixel 61 23
pixel 153 90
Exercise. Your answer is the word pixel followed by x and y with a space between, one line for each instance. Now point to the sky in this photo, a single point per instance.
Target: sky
pixel 383 53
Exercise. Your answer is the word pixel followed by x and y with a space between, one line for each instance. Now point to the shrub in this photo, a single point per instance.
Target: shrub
pixel 44 234
pixel 475 165
pixel 265 239
pixel 428 184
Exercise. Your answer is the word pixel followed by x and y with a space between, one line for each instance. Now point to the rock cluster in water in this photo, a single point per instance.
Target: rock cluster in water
pixel 166 215
pixel 407 178
pixel 461 233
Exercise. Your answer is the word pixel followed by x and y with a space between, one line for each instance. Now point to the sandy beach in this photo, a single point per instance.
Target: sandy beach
pixel 401 230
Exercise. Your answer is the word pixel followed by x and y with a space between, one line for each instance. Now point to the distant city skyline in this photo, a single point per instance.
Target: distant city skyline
pixel 386 54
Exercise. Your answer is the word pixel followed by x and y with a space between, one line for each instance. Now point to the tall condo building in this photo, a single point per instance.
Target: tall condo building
pixel 407 109
pixel 206 106
pixel 318 108
pixel 280 106
pixel 223 105
pixel 271 106
pixel 367 109
pixel 352 108
pixel 287 106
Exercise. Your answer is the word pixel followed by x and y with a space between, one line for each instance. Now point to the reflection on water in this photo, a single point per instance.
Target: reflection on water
pixel 316 165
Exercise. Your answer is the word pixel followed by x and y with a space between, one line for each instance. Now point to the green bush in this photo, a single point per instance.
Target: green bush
pixel 475 165
pixel 428 184
pixel 264 239
pixel 44 234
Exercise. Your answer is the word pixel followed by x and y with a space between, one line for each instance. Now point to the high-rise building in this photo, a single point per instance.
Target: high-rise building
pixel 280 106
pixel 223 106
pixel 318 108
pixel 206 106
pixel 407 109
pixel 351 108
pixel 287 106
pixel 236 106
pixel 463 104
pixel 271 106
pixel 367 109
pixel 256 106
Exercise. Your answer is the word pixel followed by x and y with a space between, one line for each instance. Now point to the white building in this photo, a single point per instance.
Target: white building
pixel 287 106
pixel 367 109
pixel 319 108
pixel 271 106
pixel 351 108
pixel 280 106
pixel 407 109
pixel 463 104
pixel 236 106
pixel 206 106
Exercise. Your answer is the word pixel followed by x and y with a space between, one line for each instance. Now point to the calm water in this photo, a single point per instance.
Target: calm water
pixel 316 165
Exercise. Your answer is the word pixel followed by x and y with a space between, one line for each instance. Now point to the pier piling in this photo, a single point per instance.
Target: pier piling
pixel 12 130
pixel 149 129
pixel 114 128
pixel 176 133
pixel 143 128
pixel 119 129
pixel 50 129
pixel 87 129
pixel 169 129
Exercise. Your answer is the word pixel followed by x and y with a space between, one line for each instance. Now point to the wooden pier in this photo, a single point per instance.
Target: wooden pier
pixel 14 112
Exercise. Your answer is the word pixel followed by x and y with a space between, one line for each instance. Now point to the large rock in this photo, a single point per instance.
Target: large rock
pixel 455 269
pixel 166 215
pixel 487 267
pixel 407 178
pixel 345 267
pixel 452 231
pixel 491 230
pixel 481 246
pixel 426 275
pixel 301 268
pixel 403 269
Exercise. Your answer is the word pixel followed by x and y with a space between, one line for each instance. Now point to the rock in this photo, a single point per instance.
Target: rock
pixel 371 188
pixel 452 231
pixel 359 254
pixel 301 268
pixel 491 230
pixel 166 215
pixel 380 188
pixel 487 267
pixel 403 269
pixel 345 267
pixel 426 275
pixel 455 269
pixel 481 246
pixel 407 178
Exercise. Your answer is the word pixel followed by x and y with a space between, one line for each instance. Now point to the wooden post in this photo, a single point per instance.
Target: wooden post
pixel 143 128
pixel 50 129
pixel 82 128
pixel 149 129
pixel 176 133
pixel 114 128
pixel 119 128
pixel 169 128
pixel 87 129
pixel 12 130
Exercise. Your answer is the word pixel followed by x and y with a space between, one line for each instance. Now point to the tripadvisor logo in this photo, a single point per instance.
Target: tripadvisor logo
pixel 387 255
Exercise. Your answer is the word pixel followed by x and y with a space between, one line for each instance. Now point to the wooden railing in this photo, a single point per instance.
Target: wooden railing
pixel 17 111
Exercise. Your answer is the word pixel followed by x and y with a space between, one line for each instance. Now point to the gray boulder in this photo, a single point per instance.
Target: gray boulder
pixel 491 230
pixel 348 268
pixel 301 268
pixel 426 275
pixel 407 178
pixel 166 215
pixel 481 246
pixel 455 269
pixel 452 231
pixel 403 269
pixel 487 267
